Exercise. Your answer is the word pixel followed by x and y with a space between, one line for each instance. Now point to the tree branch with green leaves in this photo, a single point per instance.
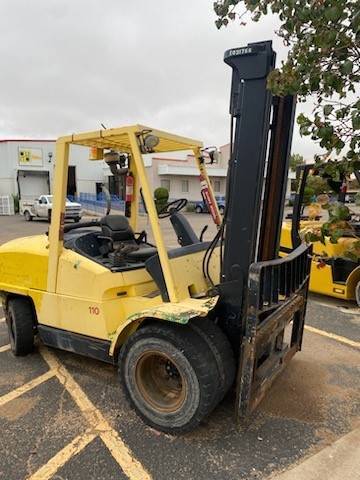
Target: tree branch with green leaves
pixel 323 63
pixel 323 37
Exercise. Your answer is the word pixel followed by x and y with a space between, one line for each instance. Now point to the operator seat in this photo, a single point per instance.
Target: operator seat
pixel 118 229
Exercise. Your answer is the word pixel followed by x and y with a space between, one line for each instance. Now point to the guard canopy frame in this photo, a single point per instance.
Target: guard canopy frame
pixel 128 140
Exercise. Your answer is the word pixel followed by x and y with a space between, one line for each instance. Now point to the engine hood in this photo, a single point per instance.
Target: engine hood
pixel 24 264
pixel 36 244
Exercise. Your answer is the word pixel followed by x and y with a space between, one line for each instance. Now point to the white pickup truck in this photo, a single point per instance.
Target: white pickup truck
pixel 42 207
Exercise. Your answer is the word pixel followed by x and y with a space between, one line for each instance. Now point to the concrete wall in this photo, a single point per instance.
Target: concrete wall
pixel 182 167
pixel 7 182
pixel 87 173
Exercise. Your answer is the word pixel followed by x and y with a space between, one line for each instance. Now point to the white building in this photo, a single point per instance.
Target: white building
pixel 181 175
pixel 27 168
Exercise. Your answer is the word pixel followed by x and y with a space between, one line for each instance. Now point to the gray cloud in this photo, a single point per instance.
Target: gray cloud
pixel 68 66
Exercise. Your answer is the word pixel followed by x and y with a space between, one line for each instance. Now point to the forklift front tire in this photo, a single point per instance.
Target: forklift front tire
pixel 20 323
pixel 222 351
pixel 170 376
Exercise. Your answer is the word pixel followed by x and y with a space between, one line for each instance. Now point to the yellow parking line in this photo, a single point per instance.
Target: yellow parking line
pixel 333 336
pixel 4 348
pixel 57 461
pixel 128 463
pixel 26 387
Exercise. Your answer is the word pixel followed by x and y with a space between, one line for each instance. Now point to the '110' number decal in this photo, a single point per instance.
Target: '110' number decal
pixel 94 310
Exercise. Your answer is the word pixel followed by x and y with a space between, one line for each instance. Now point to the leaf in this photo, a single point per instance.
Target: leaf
pixel 335 235
pixel 347 67
pixel 334 13
pixel 325 132
pixel 356 122
pixel 328 109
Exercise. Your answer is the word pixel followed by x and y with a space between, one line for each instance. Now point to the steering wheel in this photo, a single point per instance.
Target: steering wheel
pixel 172 207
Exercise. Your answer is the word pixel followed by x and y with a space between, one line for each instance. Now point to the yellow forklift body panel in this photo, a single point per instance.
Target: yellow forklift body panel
pixel 76 294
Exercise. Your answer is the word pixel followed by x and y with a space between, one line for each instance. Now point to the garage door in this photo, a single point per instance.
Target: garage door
pixel 32 184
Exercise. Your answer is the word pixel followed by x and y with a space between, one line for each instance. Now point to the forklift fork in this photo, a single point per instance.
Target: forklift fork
pixel 274 324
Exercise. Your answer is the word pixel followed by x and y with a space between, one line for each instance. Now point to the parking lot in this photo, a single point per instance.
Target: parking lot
pixel 63 416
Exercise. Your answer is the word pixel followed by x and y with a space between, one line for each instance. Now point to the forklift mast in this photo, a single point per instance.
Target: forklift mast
pixel 257 172
pixel 262 297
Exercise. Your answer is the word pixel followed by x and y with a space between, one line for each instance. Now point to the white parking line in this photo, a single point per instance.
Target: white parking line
pixel 120 452
pixel 26 387
pixel 333 336
pixel 4 348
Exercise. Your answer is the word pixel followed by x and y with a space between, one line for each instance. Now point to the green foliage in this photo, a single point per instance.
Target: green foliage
pixel 338 211
pixel 161 196
pixel 161 193
pixel 309 194
pixel 16 203
pixel 323 37
pixel 336 227
pixel 317 184
pixel 295 161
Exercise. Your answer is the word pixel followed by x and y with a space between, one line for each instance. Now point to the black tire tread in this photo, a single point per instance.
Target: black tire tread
pixel 196 351
pixel 222 350
pixel 23 316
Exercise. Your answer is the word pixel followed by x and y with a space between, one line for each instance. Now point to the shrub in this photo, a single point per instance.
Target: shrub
pixel 161 196
pixel 16 203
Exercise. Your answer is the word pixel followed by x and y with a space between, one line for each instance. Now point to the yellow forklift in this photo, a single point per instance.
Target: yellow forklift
pixel 182 325
pixel 333 273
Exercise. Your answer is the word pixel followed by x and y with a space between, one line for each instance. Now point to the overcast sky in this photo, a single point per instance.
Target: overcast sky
pixel 67 66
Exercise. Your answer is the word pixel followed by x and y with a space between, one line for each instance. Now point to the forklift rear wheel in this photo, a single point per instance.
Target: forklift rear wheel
pixel 222 351
pixel 20 323
pixel 28 216
pixel 170 376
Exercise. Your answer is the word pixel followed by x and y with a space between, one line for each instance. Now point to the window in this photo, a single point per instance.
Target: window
pixel 165 183
pixel 217 186
pixel 184 186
